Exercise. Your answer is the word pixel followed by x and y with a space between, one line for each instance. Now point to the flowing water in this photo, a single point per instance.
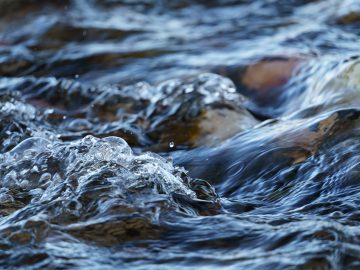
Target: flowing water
pixel 189 134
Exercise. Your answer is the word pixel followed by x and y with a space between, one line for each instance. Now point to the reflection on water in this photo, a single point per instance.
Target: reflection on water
pixel 251 106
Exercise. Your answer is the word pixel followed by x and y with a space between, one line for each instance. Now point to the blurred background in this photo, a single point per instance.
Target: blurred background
pixel 114 41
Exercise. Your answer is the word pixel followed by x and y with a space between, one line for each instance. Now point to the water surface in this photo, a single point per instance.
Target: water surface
pixel 179 134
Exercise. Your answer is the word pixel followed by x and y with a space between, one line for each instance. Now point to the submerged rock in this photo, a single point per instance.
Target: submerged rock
pixel 92 189
pixel 332 85
pixel 203 110
pixel 273 161
pixel 264 82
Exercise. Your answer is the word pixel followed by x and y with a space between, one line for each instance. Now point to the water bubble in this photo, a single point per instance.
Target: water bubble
pixel 29 148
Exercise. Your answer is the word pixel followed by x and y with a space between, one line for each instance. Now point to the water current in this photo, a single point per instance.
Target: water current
pixel 187 134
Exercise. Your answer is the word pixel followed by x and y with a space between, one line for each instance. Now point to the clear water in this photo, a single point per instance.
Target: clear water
pixel 179 134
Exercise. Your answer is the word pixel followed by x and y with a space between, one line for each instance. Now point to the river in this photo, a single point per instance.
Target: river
pixel 189 134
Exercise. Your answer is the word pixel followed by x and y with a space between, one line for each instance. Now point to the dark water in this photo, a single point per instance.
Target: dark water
pixel 251 106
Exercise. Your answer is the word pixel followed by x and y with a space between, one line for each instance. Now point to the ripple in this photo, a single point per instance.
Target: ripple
pixel 179 134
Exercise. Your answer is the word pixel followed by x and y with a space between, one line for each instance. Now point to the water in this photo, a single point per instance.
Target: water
pixel 179 134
